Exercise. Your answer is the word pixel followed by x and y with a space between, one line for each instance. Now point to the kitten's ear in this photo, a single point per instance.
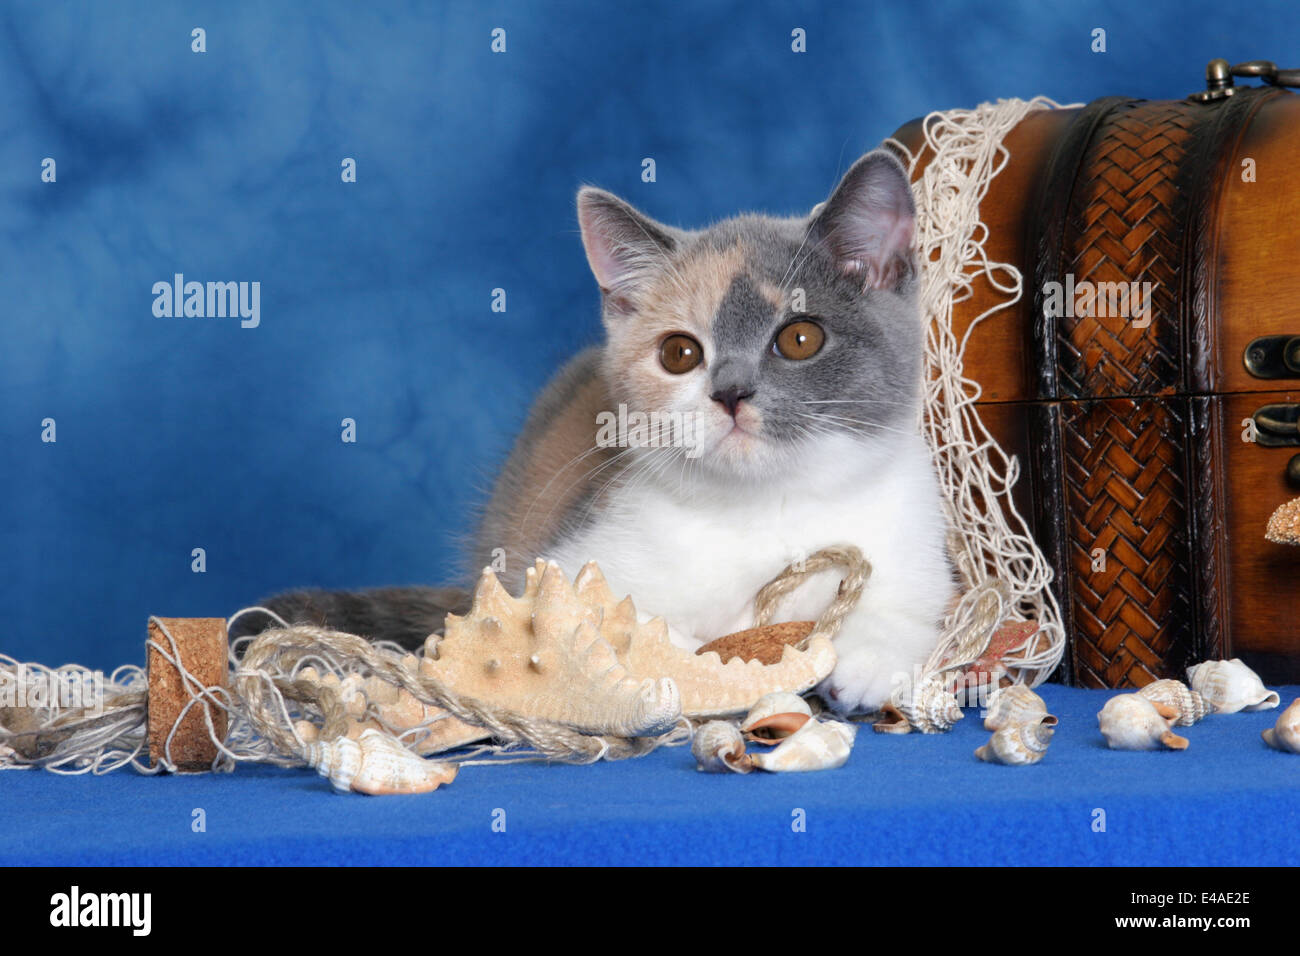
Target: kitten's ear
pixel 868 222
pixel 624 248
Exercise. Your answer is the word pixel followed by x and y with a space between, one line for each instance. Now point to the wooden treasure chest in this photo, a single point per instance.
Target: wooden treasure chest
pixel 1149 378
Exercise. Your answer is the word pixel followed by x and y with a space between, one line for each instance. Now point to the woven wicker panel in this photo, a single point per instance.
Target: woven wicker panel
pixel 1126 494
pixel 1125 224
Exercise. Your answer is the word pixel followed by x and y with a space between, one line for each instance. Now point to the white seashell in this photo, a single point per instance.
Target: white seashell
pixel 719 748
pixel 1190 705
pixel 1231 686
pixel 817 745
pixel 775 717
pixel 1020 743
pixel 1131 722
pixel 375 764
pixel 1016 704
pixel 930 708
pixel 1285 734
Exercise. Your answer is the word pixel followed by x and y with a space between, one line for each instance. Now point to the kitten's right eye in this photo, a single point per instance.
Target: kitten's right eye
pixel 680 353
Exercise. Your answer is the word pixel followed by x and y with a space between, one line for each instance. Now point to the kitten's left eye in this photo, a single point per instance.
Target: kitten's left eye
pixel 799 340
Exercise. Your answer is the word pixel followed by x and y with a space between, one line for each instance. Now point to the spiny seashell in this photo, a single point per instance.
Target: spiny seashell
pixel 709 687
pixel 1231 686
pixel 1285 734
pixel 775 717
pixel 1016 704
pixel 930 708
pixel 376 764
pixel 817 745
pixel 1020 743
pixel 1130 722
pixel 1190 705
pixel 718 748
pixel 542 656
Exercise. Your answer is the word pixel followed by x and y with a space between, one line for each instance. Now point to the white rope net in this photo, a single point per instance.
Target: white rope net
pixel 1005 575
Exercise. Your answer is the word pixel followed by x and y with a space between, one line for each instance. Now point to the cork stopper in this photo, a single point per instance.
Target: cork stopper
pixel 763 644
pixel 203 648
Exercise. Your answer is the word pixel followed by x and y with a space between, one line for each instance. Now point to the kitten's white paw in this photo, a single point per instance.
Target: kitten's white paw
pixel 863 679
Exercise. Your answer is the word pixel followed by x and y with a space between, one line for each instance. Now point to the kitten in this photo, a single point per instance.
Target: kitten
pixel 787 356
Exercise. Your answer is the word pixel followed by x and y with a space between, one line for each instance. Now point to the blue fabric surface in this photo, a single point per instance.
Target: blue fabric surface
pixel 1227 800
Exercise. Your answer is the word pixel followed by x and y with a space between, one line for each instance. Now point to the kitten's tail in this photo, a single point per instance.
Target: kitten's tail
pixel 404 615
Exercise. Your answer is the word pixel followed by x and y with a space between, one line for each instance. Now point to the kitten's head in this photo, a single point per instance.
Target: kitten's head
pixel 770 338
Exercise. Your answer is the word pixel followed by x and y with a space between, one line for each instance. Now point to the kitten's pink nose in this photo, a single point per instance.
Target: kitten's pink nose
pixel 731 397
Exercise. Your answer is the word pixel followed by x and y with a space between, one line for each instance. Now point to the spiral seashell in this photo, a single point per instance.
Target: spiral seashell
pixel 775 717
pixel 1190 705
pixel 719 748
pixel 1285 734
pixel 1016 704
pixel 930 708
pixel 817 745
pixel 1017 744
pixel 1231 686
pixel 375 764
pixel 1131 722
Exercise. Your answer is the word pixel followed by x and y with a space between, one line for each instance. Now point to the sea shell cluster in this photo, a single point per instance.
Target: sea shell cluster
pixel 1022 727
pixel 782 721
pixel 1144 721
pixel 375 764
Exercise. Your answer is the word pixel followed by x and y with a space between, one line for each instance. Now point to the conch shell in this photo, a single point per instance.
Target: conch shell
pixel 1016 704
pixel 376 764
pixel 1190 705
pixel 1285 734
pixel 775 717
pixel 1017 744
pixel 718 748
pixel 1231 686
pixel 1132 722
pixel 929 707
pixel 817 745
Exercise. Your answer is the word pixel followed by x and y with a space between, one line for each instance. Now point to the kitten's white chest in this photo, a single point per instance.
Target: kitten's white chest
pixel 699 560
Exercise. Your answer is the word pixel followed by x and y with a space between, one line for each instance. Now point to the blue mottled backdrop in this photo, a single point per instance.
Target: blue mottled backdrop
pixel 225 165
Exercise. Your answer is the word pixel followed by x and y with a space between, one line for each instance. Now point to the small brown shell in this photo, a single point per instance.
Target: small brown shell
pixel 719 748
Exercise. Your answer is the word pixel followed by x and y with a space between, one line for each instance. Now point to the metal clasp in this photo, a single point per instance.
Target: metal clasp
pixel 1273 356
pixel 1276 426
pixel 1219 83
